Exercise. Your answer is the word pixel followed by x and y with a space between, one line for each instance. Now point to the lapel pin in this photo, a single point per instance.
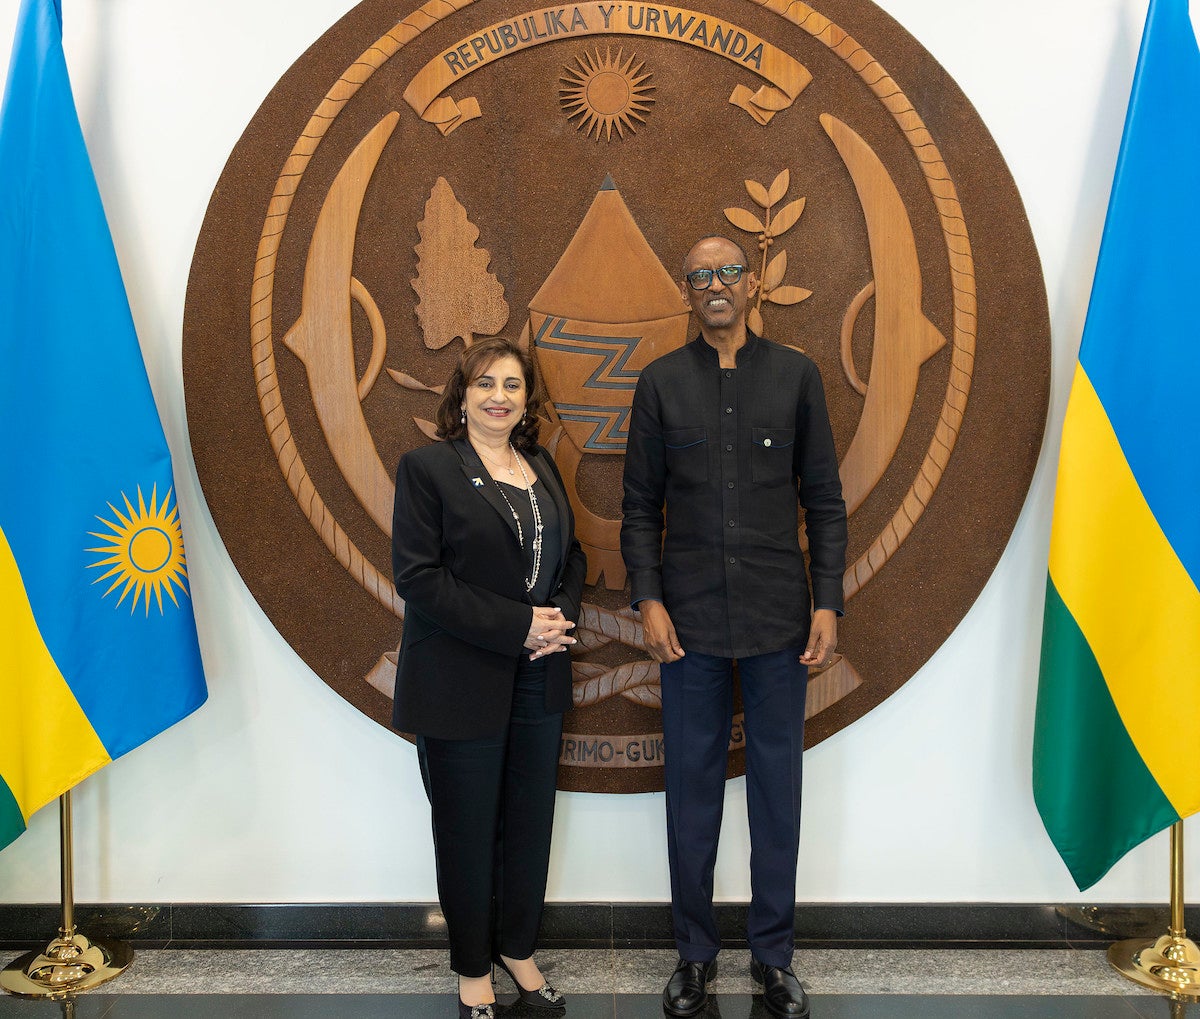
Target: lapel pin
pixel 477 482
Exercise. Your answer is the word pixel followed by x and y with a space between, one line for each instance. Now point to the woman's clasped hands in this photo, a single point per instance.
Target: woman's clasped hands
pixel 548 632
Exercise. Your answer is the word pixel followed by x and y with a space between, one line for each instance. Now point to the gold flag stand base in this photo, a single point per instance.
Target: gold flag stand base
pixel 71 963
pixel 67 966
pixel 1171 963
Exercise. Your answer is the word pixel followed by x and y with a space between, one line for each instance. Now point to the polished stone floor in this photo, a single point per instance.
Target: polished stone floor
pixel 621 984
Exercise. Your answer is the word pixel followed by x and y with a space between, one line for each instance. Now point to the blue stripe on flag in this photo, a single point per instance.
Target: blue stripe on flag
pixel 78 426
pixel 1140 347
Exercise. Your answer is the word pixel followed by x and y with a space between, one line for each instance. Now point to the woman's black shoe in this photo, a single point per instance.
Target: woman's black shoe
pixel 466 1011
pixel 545 997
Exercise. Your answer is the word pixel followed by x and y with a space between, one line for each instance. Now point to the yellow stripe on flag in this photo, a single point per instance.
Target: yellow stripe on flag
pixel 1136 604
pixel 47 744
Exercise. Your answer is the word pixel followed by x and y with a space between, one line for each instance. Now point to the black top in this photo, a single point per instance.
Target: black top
pixel 519 499
pixel 722 458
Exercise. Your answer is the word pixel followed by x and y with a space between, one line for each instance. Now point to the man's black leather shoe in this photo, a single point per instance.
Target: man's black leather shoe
pixel 686 992
pixel 782 993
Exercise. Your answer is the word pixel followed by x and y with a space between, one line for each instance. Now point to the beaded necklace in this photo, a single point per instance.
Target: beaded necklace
pixel 537 518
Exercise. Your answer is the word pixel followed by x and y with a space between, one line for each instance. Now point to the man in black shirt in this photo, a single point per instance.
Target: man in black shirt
pixel 728 436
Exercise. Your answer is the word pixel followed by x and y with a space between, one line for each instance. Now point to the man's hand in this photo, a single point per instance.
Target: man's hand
pixel 822 639
pixel 659 632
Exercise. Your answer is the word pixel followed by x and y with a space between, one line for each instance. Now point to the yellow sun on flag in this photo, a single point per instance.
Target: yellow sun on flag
pixel 145 551
pixel 605 93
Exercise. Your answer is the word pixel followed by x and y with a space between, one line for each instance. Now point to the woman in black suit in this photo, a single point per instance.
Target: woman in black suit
pixel 484 555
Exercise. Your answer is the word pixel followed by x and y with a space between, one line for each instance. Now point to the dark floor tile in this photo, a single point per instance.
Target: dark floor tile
pixel 901 925
pixel 637 1006
pixel 907 1006
pixel 27 1008
pixel 592 1006
pixel 281 1006
pixel 32 926
pixel 576 925
pixel 963 1006
pixel 645 925
pixel 582 924
pixel 1156 1007
pixel 1102 925
pixel 579 1006
pixel 413 924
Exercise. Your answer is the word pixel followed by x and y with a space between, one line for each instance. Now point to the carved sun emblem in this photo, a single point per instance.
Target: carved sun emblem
pixel 604 93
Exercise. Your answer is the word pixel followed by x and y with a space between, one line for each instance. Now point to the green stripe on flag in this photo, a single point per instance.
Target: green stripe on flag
pixel 12 823
pixel 1092 788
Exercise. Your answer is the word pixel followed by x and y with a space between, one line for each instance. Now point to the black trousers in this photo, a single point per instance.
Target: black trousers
pixel 697 698
pixel 493 811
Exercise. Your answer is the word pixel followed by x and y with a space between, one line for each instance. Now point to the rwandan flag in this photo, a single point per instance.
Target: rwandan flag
pixel 99 647
pixel 1116 755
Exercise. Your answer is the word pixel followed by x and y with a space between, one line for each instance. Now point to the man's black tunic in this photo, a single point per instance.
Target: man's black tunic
pixel 717 457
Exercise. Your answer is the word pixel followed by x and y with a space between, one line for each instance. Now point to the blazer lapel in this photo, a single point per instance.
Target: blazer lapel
pixel 479 479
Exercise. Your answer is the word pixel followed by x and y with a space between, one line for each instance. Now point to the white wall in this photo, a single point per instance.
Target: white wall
pixel 278 791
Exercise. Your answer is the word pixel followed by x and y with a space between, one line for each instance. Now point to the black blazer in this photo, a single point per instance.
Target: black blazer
pixel 459 567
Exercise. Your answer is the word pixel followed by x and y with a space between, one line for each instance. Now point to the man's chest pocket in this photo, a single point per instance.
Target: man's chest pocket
pixel 687 455
pixel 771 455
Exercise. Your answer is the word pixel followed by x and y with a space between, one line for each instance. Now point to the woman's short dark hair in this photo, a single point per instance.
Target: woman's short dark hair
pixel 472 363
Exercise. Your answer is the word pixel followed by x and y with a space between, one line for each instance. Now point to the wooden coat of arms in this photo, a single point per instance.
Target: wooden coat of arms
pixel 425 175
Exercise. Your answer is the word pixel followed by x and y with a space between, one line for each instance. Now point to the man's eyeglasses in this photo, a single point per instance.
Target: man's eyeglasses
pixel 701 279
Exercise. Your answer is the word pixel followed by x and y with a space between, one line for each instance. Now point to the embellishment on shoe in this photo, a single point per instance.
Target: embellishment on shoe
pixel 550 994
